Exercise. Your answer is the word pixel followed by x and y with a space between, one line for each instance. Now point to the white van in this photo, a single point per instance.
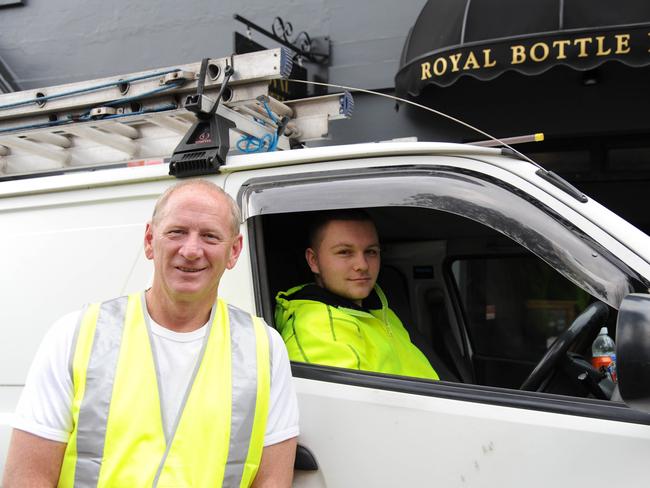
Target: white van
pixel 502 272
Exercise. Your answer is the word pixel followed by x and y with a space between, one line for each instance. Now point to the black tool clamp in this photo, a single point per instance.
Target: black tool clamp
pixel 205 146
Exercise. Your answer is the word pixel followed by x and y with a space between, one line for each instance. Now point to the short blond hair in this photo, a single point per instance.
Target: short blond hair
pixel 235 214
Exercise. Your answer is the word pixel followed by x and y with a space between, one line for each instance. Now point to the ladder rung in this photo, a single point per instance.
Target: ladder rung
pixel 256 112
pixel 121 129
pixel 50 138
pixel 276 106
pixel 116 141
pixel 246 126
pixel 48 152
pixel 171 123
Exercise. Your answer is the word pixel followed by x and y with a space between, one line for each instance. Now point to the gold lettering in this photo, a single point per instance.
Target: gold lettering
pixel 454 58
pixel 622 43
pixel 560 45
pixel 518 54
pixel 582 43
pixel 601 50
pixel 534 49
pixel 472 62
pixel 426 71
pixel 439 66
pixel 487 61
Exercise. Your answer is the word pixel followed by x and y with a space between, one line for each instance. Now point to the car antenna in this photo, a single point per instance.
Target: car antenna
pixel 494 140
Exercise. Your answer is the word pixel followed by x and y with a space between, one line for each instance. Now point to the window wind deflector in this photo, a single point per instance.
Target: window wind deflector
pixel 474 196
pixel 559 182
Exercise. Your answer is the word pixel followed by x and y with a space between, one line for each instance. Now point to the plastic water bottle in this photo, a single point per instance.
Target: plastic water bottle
pixel 603 354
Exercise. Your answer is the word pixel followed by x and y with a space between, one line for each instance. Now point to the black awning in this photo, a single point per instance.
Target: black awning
pixel 485 38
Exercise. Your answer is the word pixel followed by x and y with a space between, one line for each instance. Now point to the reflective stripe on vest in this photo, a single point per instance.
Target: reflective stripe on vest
pixel 118 437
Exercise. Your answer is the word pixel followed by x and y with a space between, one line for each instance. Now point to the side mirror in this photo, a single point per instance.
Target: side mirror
pixel 633 351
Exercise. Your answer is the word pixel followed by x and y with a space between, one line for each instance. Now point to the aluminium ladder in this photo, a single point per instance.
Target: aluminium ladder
pixel 144 117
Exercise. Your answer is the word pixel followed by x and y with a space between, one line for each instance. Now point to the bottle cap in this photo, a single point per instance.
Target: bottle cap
pixel 603 330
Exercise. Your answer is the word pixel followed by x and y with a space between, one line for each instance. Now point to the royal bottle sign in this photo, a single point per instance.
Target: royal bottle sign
pixel 582 50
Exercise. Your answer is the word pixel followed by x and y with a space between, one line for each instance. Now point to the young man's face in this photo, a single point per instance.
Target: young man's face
pixel 191 244
pixel 346 261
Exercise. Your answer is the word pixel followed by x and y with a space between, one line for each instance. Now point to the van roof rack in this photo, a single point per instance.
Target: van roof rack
pixel 192 114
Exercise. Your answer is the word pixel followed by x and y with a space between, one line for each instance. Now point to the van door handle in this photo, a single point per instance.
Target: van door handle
pixel 305 460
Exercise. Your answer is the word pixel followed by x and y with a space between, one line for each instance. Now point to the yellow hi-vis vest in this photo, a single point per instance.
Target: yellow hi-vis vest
pixel 118 439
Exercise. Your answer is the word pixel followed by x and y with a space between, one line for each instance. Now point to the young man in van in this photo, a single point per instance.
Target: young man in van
pixel 171 386
pixel 343 319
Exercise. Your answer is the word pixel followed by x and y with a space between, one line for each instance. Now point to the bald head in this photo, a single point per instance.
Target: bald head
pixel 160 207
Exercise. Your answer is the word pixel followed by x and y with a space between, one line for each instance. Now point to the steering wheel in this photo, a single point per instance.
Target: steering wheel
pixel 591 319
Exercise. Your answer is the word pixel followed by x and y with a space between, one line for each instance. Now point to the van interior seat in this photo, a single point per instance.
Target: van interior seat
pixel 395 287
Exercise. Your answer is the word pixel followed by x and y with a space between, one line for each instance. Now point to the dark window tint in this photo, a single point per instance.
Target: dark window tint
pixel 515 307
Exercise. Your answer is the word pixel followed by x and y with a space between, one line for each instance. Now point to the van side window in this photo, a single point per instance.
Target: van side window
pixel 483 277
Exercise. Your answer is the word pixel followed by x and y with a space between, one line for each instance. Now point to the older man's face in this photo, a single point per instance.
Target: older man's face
pixel 347 260
pixel 191 243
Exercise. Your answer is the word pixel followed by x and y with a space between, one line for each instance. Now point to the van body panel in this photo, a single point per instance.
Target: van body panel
pixel 78 238
pixel 385 439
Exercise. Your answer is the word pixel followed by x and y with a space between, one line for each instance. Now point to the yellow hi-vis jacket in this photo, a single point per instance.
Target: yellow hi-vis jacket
pixel 322 328
pixel 118 439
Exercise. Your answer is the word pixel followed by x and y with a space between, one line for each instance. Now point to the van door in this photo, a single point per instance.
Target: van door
pixel 367 429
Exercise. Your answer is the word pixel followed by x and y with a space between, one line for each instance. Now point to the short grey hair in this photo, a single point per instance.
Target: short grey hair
pixel 235 214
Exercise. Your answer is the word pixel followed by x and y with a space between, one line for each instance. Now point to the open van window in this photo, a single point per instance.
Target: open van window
pixel 481 290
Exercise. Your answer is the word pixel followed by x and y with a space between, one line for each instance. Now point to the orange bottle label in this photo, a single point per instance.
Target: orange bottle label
pixel 601 363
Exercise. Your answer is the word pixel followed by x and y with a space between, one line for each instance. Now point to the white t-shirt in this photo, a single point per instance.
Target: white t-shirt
pixel 44 408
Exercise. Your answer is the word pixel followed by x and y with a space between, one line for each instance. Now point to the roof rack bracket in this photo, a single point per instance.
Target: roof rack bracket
pixel 203 149
pixel 205 146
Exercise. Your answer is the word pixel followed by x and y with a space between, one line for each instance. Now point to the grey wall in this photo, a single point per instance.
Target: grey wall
pixel 48 42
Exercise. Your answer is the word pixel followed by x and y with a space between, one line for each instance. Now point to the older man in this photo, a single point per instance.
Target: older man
pixel 167 387
pixel 343 319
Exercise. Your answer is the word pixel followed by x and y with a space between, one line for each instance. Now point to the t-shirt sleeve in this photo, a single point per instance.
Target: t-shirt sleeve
pixel 44 407
pixel 282 420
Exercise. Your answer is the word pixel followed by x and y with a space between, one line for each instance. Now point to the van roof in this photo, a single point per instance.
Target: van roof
pixel 83 177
